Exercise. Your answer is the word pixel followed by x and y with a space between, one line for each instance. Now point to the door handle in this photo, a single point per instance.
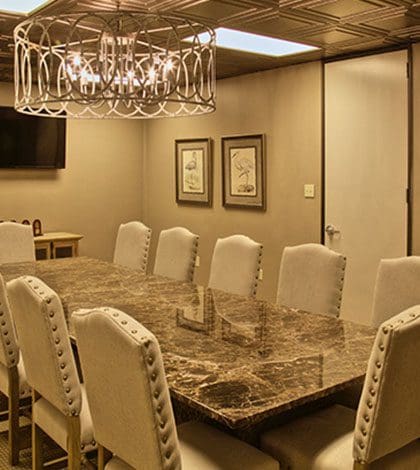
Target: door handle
pixel 331 230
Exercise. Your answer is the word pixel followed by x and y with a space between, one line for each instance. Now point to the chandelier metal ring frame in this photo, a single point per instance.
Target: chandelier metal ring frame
pixel 114 65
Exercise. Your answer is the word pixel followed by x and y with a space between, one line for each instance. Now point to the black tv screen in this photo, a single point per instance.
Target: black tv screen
pixel 31 141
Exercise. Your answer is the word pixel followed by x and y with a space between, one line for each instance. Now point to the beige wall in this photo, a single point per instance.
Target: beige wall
pixel 285 104
pixel 416 150
pixel 99 189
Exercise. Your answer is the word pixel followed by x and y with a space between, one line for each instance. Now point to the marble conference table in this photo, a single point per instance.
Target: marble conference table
pixel 234 360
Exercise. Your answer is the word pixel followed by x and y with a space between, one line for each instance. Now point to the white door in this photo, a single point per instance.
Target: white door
pixel 366 165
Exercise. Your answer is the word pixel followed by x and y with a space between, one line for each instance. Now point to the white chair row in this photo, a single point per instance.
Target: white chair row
pixel 311 276
pixel 138 427
pixel 234 267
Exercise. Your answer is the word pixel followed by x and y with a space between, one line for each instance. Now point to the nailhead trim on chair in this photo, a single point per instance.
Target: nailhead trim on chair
pixel 8 341
pixel 146 249
pixel 74 402
pixel 72 399
pixel 340 286
pixel 161 402
pixel 373 385
pixel 254 291
pixel 10 348
pixel 193 258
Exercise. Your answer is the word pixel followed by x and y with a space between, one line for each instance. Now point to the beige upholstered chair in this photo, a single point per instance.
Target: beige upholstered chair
pixel 16 243
pixel 131 407
pixel 311 278
pixel 396 288
pixel 59 405
pixel 132 245
pixel 235 265
pixel 387 430
pixel 13 382
pixel 176 254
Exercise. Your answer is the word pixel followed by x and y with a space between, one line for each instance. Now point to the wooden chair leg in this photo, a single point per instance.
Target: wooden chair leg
pixel 13 410
pixel 37 451
pixel 37 457
pixel 104 455
pixel 360 466
pixel 73 443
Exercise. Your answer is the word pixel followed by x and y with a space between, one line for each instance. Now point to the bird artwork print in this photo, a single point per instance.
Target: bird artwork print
pixel 245 167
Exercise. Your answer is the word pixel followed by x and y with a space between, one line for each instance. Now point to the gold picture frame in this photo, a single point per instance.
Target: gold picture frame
pixel 243 171
pixel 193 168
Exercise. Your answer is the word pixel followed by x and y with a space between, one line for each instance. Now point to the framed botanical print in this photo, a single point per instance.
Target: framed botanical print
pixel 193 165
pixel 243 170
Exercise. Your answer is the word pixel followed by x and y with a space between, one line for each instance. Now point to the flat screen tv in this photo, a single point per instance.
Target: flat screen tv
pixel 30 141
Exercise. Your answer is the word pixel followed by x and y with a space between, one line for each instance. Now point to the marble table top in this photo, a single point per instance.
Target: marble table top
pixel 234 359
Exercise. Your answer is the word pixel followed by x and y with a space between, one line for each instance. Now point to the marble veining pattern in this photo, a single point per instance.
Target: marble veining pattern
pixel 234 359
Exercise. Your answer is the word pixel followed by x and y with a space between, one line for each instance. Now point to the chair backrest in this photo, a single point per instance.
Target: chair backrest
pixel 16 243
pixel 388 417
pixel 235 264
pixel 9 351
pixel 44 343
pixel 126 388
pixel 132 245
pixel 396 288
pixel 176 253
pixel 311 278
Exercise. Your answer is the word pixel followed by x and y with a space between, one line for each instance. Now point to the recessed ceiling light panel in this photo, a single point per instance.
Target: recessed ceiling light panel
pixel 23 6
pixel 255 43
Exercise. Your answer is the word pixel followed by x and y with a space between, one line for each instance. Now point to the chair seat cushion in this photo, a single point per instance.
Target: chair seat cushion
pixel 206 448
pixel 24 389
pixel 324 441
pixel 54 423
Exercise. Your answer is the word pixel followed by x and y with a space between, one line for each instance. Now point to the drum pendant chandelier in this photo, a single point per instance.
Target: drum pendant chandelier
pixel 114 65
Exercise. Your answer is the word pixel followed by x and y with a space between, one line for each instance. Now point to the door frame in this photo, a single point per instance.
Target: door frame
pixel 410 135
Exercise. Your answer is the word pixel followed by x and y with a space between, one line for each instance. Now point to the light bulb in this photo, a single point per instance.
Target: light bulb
pixel 152 75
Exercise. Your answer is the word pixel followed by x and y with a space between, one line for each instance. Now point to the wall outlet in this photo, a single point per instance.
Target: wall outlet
pixel 197 261
pixel 309 191
pixel 260 274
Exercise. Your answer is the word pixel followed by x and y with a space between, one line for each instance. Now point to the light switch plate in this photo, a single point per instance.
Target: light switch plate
pixel 197 261
pixel 309 190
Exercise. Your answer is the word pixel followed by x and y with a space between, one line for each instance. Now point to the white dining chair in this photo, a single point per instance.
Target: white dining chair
pixel 176 254
pixel 311 278
pixel 59 404
pixel 384 433
pixel 235 265
pixel 132 246
pixel 396 288
pixel 16 243
pixel 139 428
pixel 13 383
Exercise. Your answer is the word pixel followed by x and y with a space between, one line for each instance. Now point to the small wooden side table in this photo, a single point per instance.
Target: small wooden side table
pixel 57 245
